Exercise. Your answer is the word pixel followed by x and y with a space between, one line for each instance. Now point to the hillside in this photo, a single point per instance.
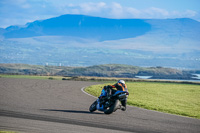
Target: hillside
pixel 95 28
pixel 109 70
pixel 78 40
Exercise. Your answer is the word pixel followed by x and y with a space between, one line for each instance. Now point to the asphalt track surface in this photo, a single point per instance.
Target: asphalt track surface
pixel 51 106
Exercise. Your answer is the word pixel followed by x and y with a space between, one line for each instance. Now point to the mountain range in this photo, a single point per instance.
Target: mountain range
pixel 79 40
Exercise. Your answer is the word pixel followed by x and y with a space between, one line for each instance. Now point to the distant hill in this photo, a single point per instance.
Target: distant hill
pixel 95 28
pixel 79 40
pixel 102 29
pixel 107 70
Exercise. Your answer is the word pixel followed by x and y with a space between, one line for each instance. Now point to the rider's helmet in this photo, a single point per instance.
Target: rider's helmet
pixel 121 82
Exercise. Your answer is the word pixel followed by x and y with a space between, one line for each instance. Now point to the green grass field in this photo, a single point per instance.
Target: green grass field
pixel 32 77
pixel 174 98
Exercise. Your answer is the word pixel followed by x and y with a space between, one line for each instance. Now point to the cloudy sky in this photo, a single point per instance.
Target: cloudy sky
pixel 19 12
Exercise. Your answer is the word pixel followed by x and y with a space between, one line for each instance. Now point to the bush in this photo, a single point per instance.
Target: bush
pixel 51 78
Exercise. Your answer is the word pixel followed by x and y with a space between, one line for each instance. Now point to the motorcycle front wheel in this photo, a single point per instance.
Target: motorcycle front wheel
pixel 93 107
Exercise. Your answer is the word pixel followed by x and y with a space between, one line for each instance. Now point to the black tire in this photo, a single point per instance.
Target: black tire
pixel 112 108
pixel 93 107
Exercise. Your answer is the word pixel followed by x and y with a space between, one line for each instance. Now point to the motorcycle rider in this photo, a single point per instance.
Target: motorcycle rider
pixel 120 86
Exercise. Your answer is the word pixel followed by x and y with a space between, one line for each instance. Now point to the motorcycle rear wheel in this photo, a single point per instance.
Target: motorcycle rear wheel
pixel 112 108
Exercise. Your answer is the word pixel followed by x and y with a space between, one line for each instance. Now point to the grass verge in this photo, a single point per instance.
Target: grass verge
pixel 33 77
pixel 97 79
pixel 174 98
pixel 8 132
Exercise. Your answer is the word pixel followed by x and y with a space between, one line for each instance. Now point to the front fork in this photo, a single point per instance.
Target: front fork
pixel 100 107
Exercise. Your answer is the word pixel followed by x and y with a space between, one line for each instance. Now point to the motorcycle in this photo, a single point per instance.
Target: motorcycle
pixel 109 104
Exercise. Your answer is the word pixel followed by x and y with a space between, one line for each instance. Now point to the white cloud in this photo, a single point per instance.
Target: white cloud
pixel 16 3
pixel 157 12
pixel 92 7
pixel 133 12
pixel 116 10
pixel 185 14
pixel 26 6
pixel 190 13
pixel 17 12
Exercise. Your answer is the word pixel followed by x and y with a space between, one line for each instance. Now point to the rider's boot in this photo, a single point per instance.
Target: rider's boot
pixel 123 108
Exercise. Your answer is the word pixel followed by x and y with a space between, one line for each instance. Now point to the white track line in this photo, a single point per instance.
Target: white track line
pixel 82 89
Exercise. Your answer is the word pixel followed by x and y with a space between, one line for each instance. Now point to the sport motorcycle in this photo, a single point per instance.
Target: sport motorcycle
pixel 109 104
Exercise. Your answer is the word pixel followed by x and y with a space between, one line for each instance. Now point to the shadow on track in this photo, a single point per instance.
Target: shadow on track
pixel 72 111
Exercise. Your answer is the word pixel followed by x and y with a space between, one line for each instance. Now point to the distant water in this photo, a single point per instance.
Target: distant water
pixel 143 77
pixel 197 78
pixel 181 80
